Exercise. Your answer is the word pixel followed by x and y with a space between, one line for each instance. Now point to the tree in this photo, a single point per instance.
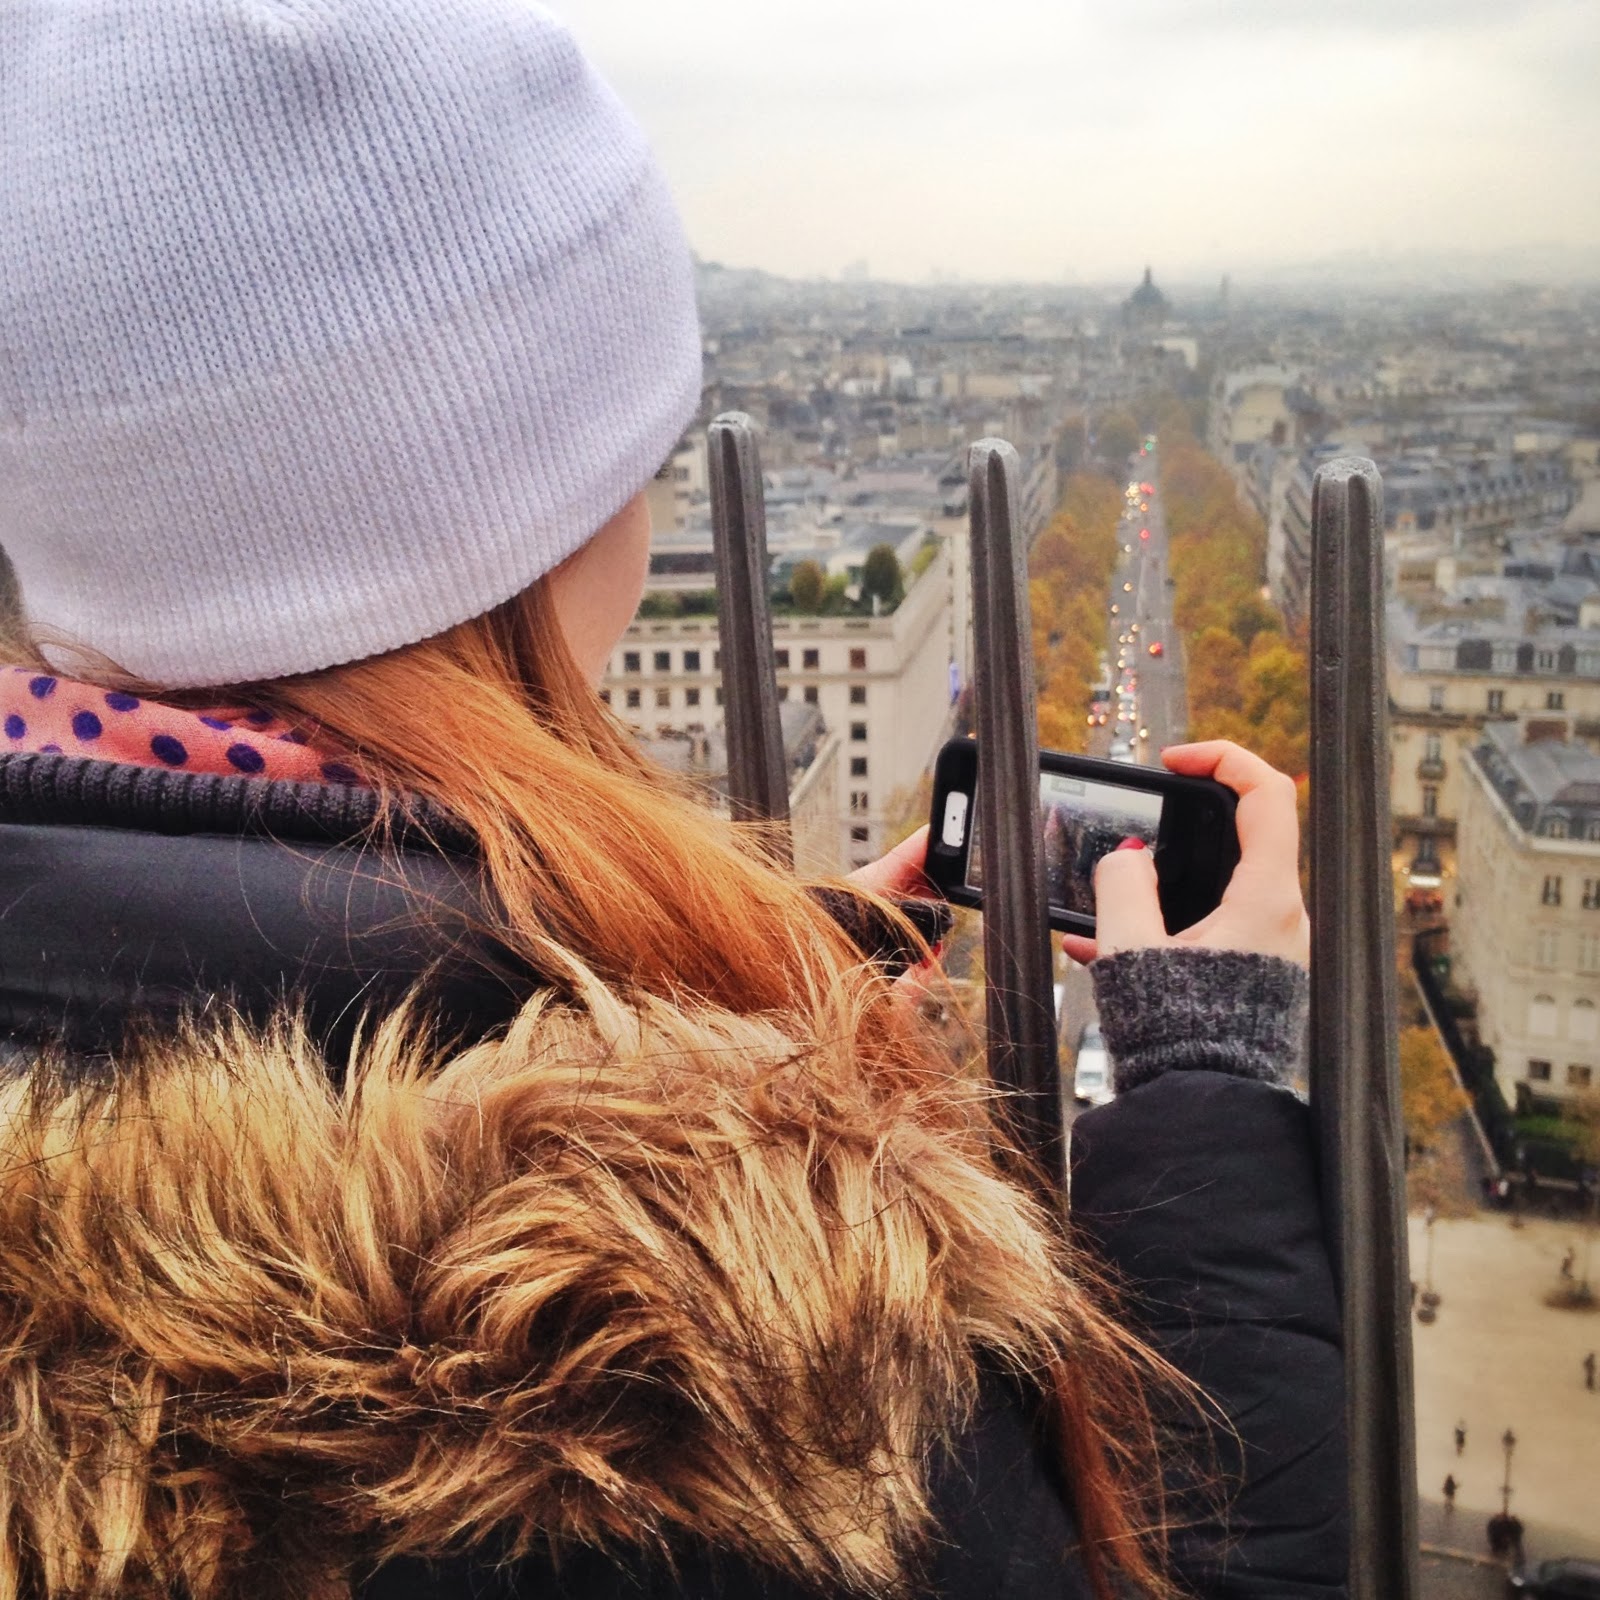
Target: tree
pixel 807 584
pixel 881 576
pixel 1430 1096
pixel 1116 437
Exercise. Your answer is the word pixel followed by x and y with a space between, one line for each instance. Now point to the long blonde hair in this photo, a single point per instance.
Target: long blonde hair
pixel 605 873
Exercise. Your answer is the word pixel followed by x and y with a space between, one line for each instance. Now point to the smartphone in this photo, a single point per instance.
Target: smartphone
pixel 1087 808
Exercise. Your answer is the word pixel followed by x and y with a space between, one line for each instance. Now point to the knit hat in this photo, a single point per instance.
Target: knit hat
pixel 324 324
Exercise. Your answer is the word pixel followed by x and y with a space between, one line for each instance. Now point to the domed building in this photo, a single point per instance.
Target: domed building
pixel 1146 307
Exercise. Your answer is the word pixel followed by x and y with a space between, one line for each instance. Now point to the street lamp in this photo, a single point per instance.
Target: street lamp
pixel 1508 1442
pixel 1428 1300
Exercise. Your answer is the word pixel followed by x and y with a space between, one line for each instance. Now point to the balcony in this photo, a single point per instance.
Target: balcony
pixel 1430 769
pixel 1419 827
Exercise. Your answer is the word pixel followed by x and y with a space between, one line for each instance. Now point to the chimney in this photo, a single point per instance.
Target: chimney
pixel 1537 728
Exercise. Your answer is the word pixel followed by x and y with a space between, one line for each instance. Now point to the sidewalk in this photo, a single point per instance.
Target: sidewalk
pixel 1498 1357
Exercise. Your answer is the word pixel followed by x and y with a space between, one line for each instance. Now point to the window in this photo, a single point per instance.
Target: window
pixel 1542 1017
pixel 1591 894
pixel 858 732
pixel 663 661
pixel 716 661
pixel 1546 660
pixel 605 696
pixel 809 694
pixel 858 660
pixel 810 660
pixel 783 692
pixel 858 835
pixel 858 766
pixel 1538 1072
pixel 858 800
pixel 1431 747
pixel 1555 701
pixel 1589 952
pixel 780 659
pixel 1430 800
pixel 858 694
pixel 1436 697
pixel 1554 828
pixel 857 861
pixel 691 660
pixel 691 697
pixel 1583 1022
pixel 1497 701
pixel 1550 895
pixel 663 699
pixel 1579 1077
pixel 719 696
pixel 630 660
pixel 633 699
pixel 1546 947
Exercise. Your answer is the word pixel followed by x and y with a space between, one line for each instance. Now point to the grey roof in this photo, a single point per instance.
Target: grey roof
pixel 1541 780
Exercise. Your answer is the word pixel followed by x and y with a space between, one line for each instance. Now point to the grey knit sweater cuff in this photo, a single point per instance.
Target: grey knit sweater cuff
pixel 1221 1010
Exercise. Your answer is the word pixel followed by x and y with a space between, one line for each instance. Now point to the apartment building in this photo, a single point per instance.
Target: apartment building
pixel 1450 680
pixel 1526 933
pixel 886 685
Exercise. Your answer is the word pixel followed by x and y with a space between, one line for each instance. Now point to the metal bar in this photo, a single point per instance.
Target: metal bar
pixel 758 776
pixel 1022 1049
pixel 1355 1086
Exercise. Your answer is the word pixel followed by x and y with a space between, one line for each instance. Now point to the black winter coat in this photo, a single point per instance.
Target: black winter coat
pixel 129 894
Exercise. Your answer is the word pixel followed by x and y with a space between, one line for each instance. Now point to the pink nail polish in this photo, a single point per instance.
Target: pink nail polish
pixel 1131 843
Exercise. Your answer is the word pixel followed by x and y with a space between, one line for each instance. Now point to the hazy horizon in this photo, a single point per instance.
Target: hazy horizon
pixel 1256 138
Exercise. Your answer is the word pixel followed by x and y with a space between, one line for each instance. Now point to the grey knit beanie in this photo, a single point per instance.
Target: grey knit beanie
pixel 324 324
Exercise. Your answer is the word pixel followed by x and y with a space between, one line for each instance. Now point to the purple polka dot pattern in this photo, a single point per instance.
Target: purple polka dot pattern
pixel 44 713
pixel 246 758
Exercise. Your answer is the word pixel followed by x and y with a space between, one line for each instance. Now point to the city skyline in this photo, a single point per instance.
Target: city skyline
pixel 1206 136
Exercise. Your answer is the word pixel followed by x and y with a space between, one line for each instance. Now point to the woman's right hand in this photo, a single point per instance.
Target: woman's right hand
pixel 1261 910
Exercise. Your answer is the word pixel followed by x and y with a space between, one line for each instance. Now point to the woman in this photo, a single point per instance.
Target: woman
pixel 440 1158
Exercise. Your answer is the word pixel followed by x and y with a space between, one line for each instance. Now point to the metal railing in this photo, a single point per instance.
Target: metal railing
pixel 1354 1072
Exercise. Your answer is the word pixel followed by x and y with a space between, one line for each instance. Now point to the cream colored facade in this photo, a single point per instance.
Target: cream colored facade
pixel 883 685
pixel 1526 935
pixel 1437 712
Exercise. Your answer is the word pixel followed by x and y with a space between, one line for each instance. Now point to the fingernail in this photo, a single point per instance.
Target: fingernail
pixel 1131 843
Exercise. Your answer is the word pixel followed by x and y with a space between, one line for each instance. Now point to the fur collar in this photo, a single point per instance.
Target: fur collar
pixel 614 1275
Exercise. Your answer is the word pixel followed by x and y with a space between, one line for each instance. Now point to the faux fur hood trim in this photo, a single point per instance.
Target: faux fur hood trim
pixel 617 1275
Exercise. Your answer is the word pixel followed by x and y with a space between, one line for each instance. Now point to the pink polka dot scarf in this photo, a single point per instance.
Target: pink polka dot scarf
pixel 54 715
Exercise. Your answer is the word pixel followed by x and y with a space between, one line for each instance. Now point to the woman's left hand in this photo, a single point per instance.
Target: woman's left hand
pixel 899 875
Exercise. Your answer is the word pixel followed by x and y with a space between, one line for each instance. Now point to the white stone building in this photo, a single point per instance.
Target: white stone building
pixel 1526 931
pixel 886 685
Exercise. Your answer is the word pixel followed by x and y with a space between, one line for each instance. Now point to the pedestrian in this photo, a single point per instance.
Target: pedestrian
pixel 1588 1371
pixel 449 1155
pixel 1461 1437
pixel 1450 1491
pixel 1566 1262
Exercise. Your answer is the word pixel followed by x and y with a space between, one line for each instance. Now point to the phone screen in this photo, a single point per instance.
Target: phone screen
pixel 1081 821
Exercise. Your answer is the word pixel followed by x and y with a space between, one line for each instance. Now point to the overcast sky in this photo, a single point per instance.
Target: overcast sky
pixel 1044 139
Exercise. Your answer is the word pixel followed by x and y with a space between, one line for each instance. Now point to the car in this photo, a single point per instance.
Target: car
pixel 1121 750
pixel 1127 588
pixel 1144 533
pixel 1091 1076
pixel 1144 733
pixel 1157 649
pixel 1133 629
pixel 1115 610
pixel 1566 1579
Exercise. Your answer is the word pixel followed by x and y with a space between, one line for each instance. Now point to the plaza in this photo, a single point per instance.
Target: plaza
pixel 1498 1357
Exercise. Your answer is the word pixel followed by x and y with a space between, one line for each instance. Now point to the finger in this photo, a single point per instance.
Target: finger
pixel 1127 911
pixel 1269 826
pixel 1081 949
pixel 900 872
